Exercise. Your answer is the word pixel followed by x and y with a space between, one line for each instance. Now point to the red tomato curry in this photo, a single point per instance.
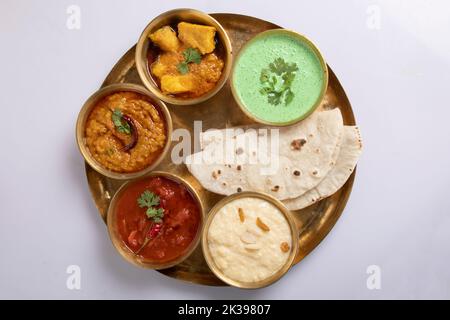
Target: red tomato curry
pixel 170 237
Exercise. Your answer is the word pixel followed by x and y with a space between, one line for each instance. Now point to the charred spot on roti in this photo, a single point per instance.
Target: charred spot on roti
pixel 293 174
pixel 275 188
pixel 239 189
pixel 239 151
pixel 297 144
pixel 214 175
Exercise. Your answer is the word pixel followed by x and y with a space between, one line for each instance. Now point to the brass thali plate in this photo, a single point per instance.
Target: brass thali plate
pixel 221 111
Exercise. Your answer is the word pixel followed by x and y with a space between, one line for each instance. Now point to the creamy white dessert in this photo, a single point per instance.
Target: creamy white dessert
pixel 249 239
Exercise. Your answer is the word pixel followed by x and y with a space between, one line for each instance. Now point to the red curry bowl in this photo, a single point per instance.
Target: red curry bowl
pixel 156 242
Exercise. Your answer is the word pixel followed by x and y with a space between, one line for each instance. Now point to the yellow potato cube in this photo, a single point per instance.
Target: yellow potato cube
pixel 197 36
pixel 166 39
pixel 177 84
pixel 159 69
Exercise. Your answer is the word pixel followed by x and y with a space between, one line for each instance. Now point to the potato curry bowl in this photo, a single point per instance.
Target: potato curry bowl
pixel 184 57
pixel 123 132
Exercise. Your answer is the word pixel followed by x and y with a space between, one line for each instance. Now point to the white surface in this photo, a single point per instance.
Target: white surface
pixel 398 215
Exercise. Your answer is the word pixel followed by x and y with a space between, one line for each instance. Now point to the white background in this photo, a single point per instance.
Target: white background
pixel 397 78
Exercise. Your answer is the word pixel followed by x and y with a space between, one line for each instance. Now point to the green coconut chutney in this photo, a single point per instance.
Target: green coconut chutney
pixel 278 77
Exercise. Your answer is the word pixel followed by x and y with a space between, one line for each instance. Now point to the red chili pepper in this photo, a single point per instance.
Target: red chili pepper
pixel 134 132
pixel 154 230
pixel 152 233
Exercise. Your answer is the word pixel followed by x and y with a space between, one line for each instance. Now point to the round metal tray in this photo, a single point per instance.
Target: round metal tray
pixel 313 222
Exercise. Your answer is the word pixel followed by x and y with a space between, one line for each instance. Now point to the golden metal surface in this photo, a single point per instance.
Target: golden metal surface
pixel 323 65
pixel 313 223
pixel 170 18
pixel 120 246
pixel 85 112
pixel 294 247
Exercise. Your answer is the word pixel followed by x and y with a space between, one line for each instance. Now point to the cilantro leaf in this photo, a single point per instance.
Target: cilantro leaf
pixel 288 97
pixel 183 67
pixel 265 76
pixel 148 199
pixel 155 214
pixel 277 80
pixel 279 66
pixel 120 125
pixel 190 55
pixel 274 98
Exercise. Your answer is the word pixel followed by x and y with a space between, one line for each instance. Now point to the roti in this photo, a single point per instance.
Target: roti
pixel 285 163
pixel 349 153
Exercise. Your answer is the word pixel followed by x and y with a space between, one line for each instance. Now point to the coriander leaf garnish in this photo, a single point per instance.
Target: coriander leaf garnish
pixel 150 200
pixel 121 125
pixel 279 66
pixel 277 80
pixel 155 214
pixel 183 67
pixel 190 55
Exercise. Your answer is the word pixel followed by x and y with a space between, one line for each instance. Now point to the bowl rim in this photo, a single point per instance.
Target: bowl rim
pixel 302 38
pixel 86 110
pixel 142 65
pixel 294 233
pixel 118 243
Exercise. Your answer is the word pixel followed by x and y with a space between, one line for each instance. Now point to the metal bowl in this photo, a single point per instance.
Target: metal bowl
pixel 301 38
pixel 170 18
pixel 210 260
pixel 86 110
pixel 121 247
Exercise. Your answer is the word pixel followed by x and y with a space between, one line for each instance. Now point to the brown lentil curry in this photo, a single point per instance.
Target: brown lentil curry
pixel 109 146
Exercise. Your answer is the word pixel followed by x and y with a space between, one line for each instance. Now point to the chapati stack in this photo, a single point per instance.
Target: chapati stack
pixel 299 164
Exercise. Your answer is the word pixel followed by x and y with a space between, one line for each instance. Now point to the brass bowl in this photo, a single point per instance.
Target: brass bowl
pixel 119 244
pixel 301 38
pixel 86 110
pixel 170 18
pixel 294 234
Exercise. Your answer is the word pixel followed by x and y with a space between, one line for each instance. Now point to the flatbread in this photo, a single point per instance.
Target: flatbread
pixel 306 153
pixel 349 153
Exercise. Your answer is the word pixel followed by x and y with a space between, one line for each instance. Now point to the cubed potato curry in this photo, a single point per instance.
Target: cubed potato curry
pixel 197 36
pixel 177 72
pixel 166 39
